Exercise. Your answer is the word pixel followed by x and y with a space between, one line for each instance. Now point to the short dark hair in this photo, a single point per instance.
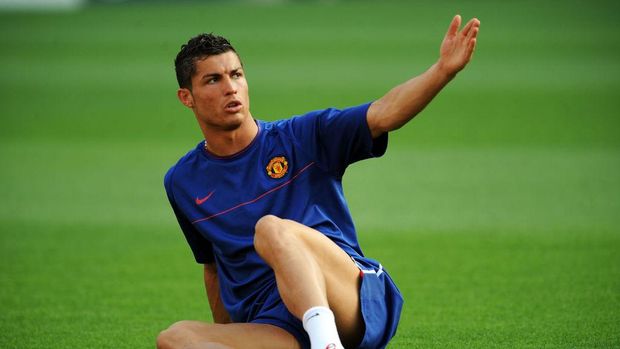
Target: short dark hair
pixel 197 48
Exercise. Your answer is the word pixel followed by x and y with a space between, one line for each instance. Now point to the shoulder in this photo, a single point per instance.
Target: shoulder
pixel 277 128
pixel 295 122
pixel 328 115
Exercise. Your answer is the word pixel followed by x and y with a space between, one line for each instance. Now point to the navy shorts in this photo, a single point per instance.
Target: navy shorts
pixel 381 304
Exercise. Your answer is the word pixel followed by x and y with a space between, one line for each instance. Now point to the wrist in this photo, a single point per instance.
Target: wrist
pixel 443 72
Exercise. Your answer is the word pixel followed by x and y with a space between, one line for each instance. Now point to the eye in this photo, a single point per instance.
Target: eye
pixel 237 74
pixel 211 81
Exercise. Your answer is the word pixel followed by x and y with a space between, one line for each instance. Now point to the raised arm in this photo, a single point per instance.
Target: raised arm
pixel 405 101
pixel 212 285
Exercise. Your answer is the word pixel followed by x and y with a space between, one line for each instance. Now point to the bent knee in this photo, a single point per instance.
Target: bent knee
pixel 266 228
pixel 271 235
pixel 178 335
pixel 267 223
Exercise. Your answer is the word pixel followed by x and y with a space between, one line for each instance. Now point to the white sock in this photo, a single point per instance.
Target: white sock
pixel 320 324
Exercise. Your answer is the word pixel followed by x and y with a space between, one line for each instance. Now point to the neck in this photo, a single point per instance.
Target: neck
pixel 226 143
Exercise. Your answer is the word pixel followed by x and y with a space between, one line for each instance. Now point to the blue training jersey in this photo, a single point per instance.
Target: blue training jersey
pixel 292 169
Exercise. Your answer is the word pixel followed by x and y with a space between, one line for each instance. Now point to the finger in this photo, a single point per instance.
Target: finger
pixel 471 47
pixel 473 33
pixel 454 26
pixel 468 26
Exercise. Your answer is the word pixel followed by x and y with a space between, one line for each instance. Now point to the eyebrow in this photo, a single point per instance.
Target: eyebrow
pixel 215 75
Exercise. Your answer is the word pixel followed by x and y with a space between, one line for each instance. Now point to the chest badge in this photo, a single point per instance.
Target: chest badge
pixel 277 167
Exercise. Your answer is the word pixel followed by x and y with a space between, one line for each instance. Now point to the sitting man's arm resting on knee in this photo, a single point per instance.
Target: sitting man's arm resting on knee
pixel 212 285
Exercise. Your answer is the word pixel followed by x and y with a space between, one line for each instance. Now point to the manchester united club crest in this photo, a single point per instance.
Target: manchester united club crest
pixel 277 167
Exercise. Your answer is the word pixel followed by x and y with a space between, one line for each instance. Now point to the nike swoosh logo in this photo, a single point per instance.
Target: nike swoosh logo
pixel 202 201
pixel 313 316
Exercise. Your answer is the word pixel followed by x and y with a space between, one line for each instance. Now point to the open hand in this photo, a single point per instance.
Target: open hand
pixel 458 47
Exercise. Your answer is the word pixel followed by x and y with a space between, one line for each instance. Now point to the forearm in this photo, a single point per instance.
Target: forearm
pixel 220 315
pixel 406 100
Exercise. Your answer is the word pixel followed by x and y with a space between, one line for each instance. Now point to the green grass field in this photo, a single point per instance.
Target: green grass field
pixel 496 212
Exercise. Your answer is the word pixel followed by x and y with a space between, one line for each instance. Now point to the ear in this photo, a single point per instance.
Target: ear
pixel 185 96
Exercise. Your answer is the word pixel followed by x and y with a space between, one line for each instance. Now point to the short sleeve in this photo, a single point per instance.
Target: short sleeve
pixel 201 247
pixel 338 138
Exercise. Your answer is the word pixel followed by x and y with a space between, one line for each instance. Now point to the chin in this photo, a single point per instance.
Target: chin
pixel 225 122
pixel 233 123
pixel 230 127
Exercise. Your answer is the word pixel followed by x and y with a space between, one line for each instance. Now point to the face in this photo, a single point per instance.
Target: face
pixel 219 95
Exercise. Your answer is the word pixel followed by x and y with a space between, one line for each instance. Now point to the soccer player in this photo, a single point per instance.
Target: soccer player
pixel 262 207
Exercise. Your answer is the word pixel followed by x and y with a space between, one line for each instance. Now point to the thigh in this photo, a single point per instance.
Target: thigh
pixel 196 334
pixel 342 280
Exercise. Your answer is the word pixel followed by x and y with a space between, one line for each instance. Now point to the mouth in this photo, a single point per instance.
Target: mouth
pixel 233 107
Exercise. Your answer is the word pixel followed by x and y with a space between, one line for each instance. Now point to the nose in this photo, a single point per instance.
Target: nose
pixel 230 86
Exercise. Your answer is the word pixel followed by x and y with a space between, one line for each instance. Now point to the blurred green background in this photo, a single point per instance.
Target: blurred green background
pixel 496 211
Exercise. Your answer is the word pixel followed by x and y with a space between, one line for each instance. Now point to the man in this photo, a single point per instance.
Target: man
pixel 262 207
